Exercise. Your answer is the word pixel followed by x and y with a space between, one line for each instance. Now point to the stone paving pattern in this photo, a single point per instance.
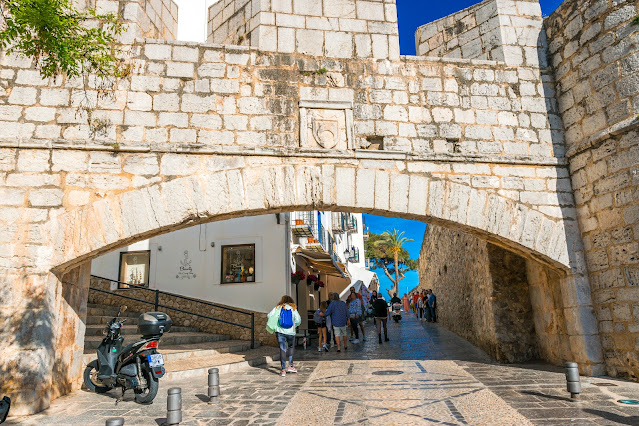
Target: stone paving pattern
pixel 443 380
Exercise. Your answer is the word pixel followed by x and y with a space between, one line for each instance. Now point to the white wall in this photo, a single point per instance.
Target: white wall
pixel 206 262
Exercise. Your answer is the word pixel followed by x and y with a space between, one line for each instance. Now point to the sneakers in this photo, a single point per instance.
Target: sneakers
pixel 356 341
pixel 283 373
pixel 339 350
pixel 380 338
pixel 386 339
pixel 319 349
pixel 291 369
pixel 364 338
pixel 326 348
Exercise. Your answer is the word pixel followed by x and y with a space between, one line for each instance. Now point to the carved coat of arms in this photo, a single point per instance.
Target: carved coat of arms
pixel 325 131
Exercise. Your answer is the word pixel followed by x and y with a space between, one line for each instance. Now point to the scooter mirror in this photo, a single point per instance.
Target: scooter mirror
pixel 5 404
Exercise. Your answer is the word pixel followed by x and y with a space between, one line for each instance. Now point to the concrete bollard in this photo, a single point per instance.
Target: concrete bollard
pixel 214 385
pixel 572 379
pixel 174 406
pixel 115 421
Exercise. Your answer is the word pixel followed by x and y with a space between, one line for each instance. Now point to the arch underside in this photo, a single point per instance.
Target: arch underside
pixel 181 201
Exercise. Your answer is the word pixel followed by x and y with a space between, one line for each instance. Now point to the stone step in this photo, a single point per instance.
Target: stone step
pixel 111 311
pixel 105 319
pixel 131 329
pixel 195 350
pixel 169 339
pixel 197 367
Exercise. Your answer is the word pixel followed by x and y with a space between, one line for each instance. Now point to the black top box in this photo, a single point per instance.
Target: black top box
pixel 154 323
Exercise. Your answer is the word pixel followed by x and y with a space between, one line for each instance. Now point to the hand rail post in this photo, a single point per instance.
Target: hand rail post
pixel 157 299
pixel 252 330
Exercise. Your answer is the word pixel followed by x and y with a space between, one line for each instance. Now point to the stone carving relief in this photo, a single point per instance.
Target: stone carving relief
pixel 326 125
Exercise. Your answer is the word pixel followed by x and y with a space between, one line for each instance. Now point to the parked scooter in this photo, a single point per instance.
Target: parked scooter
pixel 397 311
pixel 137 366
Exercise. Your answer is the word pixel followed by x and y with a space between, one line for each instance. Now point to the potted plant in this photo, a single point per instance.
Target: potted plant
pixel 297 276
pixel 311 279
pixel 319 284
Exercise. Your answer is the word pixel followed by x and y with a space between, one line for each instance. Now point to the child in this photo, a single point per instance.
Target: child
pixel 320 320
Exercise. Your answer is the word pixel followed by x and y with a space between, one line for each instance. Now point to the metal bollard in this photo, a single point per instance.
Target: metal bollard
pixel 572 379
pixel 174 406
pixel 214 385
pixel 115 421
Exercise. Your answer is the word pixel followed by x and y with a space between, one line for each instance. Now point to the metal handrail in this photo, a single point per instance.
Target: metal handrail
pixel 156 304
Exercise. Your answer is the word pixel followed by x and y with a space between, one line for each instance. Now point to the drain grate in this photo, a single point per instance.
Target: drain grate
pixel 387 373
pixel 604 384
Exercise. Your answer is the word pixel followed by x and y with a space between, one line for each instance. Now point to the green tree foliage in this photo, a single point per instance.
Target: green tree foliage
pixel 386 251
pixel 62 39
pixel 65 41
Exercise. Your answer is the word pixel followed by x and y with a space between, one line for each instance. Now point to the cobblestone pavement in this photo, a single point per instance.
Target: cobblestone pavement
pixel 424 375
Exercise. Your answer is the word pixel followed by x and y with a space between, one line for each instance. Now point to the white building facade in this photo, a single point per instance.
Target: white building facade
pixel 247 262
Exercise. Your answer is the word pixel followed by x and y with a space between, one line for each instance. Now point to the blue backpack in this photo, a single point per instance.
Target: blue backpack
pixel 286 318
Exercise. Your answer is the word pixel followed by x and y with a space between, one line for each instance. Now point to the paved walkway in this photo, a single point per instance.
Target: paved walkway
pixel 424 375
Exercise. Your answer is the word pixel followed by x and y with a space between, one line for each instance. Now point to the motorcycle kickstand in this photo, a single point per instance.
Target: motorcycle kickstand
pixel 121 397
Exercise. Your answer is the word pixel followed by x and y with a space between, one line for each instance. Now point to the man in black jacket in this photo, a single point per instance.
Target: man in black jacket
pixel 380 311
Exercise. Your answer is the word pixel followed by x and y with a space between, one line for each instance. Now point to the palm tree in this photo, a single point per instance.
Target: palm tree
pixel 392 244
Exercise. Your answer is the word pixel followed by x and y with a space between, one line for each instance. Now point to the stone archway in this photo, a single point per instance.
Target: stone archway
pixel 161 192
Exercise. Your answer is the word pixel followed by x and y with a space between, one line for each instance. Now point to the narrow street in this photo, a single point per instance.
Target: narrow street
pixel 424 375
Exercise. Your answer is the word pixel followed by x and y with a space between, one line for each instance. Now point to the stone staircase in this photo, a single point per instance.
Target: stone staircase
pixel 187 351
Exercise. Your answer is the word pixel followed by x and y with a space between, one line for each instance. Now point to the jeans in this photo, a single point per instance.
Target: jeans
pixel 354 324
pixel 287 348
pixel 428 313
pixel 380 322
pixel 433 313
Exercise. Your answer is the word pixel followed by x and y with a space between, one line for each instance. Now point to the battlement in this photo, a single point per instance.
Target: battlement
pixel 156 19
pixel 328 28
pixel 508 31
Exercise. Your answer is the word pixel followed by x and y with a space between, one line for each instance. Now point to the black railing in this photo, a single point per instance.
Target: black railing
pixel 156 304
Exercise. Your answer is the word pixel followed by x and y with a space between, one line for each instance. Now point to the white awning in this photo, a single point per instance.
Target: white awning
pixel 359 277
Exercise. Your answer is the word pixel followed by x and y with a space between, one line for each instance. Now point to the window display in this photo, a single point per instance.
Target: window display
pixel 238 263
pixel 134 268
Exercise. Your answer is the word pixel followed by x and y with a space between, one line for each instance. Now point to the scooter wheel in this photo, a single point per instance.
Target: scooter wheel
pixel 91 381
pixel 147 395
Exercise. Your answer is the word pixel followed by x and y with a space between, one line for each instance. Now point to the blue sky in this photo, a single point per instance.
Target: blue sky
pixel 413 229
pixel 414 13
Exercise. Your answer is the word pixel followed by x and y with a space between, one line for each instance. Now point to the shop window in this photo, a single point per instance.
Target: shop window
pixel 134 268
pixel 238 264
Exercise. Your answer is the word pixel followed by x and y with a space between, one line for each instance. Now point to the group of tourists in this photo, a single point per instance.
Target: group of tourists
pixel 424 304
pixel 334 320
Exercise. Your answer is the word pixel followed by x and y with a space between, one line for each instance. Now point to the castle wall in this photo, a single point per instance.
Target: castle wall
pixel 508 31
pixel 155 19
pixel 596 62
pixel 329 28
pixel 507 305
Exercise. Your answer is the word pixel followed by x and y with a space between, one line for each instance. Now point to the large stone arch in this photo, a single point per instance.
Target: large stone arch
pixel 186 189
pixel 383 187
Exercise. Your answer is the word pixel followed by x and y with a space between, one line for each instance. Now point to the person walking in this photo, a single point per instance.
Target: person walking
pixel 420 307
pixel 321 327
pixel 363 313
pixel 416 304
pixel 380 312
pixel 283 320
pixel 338 314
pixel 432 305
pixel 354 314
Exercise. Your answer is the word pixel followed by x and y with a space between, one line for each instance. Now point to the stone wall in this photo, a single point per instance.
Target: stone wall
pixel 190 305
pixel 326 28
pixel 482 293
pixel 185 96
pixel 502 30
pixel 155 19
pixel 593 47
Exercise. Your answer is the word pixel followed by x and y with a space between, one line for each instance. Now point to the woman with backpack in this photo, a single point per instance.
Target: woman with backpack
pixel 283 320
